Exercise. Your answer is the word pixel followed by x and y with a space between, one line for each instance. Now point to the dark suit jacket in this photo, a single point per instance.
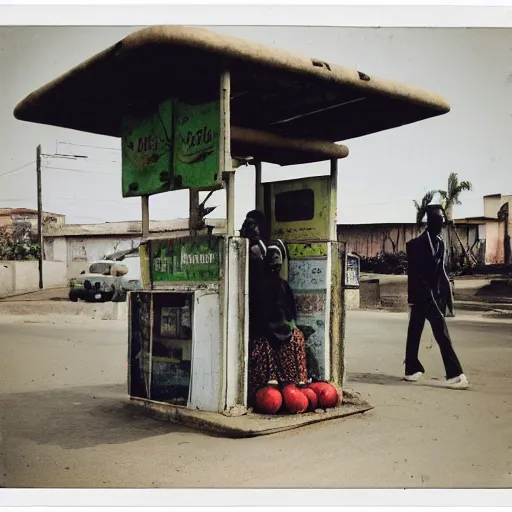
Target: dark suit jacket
pixel 421 274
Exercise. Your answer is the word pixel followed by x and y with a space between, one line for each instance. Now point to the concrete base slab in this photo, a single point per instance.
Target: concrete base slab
pixel 250 424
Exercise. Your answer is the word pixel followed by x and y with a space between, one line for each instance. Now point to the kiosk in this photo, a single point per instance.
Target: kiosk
pixel 193 108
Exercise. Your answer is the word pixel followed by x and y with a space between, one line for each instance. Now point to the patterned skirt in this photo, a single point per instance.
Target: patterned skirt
pixel 285 362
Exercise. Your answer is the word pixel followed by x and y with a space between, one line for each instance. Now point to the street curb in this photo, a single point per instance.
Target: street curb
pixel 95 311
pixel 482 306
pixel 5 298
pixel 248 425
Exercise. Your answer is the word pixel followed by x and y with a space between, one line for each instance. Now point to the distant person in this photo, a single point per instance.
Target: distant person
pixel 430 298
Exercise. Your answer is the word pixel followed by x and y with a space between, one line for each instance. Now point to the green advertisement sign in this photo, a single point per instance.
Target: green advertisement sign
pixel 147 152
pixel 196 145
pixel 185 259
pixel 175 148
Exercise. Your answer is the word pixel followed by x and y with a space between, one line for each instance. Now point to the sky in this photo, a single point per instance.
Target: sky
pixel 384 173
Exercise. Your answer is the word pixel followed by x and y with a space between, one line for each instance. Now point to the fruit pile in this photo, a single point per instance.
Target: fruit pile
pixel 296 399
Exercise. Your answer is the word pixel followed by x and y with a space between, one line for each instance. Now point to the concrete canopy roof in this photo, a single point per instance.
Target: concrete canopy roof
pixel 272 91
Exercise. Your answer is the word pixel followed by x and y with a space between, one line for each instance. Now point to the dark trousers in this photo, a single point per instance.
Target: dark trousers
pixel 420 313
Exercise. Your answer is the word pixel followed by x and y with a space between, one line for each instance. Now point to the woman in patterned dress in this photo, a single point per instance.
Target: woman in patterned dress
pixel 277 352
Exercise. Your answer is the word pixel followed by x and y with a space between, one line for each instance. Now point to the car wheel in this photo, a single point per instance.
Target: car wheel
pixel 73 297
pixel 119 297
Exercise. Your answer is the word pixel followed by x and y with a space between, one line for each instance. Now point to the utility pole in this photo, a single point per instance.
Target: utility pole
pixel 39 216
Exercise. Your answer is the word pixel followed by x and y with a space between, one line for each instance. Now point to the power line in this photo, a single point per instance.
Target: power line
pixel 372 204
pixel 84 216
pixel 91 200
pixel 17 169
pixel 87 146
pixel 81 170
pixel 76 157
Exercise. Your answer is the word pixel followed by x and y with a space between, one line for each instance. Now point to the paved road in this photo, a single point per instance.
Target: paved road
pixel 62 392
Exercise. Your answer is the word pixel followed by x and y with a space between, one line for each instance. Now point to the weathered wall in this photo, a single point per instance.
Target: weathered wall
pixel 372 239
pixel 352 299
pixel 6 278
pixel 76 252
pixel 23 276
pixel 494 247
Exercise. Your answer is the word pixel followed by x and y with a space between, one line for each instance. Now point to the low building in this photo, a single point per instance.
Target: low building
pixel 9 217
pixel 77 244
pixel 369 240
pixel 486 238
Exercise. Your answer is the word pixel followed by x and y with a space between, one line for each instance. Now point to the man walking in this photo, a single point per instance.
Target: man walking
pixel 430 297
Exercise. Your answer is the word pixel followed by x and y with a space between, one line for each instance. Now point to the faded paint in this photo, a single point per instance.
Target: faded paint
pixel 206 376
pixel 147 151
pixel 315 229
pixel 145 271
pixel 235 333
pixel 196 151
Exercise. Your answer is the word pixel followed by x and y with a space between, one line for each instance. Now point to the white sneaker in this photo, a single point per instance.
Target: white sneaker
pixel 415 377
pixel 460 382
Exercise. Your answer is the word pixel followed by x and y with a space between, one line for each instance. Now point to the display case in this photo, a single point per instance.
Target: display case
pixel 171 351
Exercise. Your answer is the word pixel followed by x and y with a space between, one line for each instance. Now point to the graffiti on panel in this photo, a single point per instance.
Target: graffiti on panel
pixel 310 303
pixel 307 274
pixel 308 280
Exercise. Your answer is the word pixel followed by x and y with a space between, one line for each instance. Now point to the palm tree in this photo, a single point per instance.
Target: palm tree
pixel 449 198
pixel 421 208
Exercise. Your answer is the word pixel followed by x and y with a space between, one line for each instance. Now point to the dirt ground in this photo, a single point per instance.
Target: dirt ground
pixel 65 423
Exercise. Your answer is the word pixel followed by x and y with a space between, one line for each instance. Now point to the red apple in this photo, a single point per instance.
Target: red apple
pixel 328 396
pixel 312 398
pixel 268 400
pixel 294 400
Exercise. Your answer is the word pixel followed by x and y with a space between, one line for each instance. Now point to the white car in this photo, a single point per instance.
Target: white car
pixel 107 280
